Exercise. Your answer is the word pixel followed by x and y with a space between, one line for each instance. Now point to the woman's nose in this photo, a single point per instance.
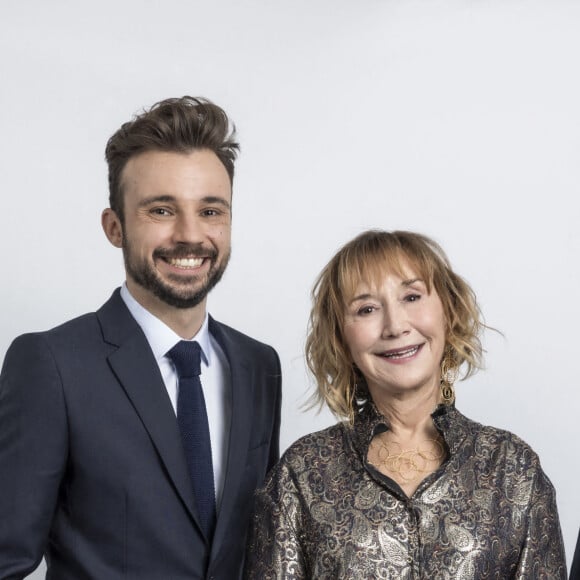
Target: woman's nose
pixel 394 321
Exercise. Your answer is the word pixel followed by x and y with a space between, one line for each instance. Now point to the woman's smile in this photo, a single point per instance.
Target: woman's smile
pixel 401 355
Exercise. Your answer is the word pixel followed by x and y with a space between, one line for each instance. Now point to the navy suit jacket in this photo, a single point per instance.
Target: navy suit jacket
pixel 92 471
pixel 575 571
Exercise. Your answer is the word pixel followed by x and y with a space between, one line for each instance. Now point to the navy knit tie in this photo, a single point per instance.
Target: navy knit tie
pixel 194 427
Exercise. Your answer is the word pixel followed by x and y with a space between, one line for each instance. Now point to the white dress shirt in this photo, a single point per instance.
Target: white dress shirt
pixel 215 379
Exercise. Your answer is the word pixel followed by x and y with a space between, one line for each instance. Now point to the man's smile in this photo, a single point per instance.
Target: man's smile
pixel 186 263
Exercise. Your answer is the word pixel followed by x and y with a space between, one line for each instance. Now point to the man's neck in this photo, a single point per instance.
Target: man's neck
pixel 185 322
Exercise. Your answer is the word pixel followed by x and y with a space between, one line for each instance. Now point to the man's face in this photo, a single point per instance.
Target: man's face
pixel 177 226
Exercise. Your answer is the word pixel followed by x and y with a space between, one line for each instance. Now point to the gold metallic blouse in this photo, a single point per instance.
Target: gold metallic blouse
pixel 488 512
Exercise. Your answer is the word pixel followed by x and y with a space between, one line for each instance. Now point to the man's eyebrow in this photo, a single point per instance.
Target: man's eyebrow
pixel 156 199
pixel 216 199
pixel 172 199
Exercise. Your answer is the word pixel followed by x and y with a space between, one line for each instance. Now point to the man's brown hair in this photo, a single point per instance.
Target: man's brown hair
pixel 177 124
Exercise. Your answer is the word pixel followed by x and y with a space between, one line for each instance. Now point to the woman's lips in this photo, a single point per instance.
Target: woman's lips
pixel 401 354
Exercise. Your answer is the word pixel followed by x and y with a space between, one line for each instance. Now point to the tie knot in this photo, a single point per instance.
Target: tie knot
pixel 186 356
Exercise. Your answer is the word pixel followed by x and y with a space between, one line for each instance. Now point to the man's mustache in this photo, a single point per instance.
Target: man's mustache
pixel 185 251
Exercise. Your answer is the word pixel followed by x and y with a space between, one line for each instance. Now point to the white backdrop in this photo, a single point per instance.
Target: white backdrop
pixel 458 119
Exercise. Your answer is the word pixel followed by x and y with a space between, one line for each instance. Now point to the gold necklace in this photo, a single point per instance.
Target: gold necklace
pixel 408 464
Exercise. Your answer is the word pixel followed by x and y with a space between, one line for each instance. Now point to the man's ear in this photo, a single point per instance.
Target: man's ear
pixel 112 227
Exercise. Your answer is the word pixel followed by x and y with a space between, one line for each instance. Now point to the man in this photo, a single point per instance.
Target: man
pixel 575 570
pixel 116 460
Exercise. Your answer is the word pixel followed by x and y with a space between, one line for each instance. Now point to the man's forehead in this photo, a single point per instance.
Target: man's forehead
pixel 169 173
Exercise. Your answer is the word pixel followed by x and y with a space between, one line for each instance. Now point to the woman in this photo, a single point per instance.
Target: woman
pixel 405 487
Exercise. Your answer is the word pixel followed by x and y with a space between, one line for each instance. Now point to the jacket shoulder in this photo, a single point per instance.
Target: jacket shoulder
pixel 62 334
pixel 224 333
pixel 82 332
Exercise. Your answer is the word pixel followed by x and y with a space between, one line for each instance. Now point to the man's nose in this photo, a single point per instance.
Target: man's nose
pixel 188 228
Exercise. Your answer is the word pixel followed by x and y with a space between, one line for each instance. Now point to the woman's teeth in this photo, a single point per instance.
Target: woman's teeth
pixel 403 353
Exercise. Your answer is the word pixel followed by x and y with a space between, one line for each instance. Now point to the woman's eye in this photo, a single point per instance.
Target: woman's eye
pixel 413 297
pixel 365 310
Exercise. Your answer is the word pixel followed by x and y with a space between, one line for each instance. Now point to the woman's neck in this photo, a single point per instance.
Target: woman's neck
pixel 412 448
pixel 409 416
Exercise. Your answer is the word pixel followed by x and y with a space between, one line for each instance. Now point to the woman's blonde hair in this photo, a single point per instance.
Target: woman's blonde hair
pixel 367 259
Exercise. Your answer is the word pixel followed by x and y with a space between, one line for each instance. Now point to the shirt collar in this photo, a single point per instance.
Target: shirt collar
pixel 160 337
pixel 452 425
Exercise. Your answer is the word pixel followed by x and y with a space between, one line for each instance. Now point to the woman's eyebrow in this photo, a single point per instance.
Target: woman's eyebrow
pixel 411 281
pixel 360 297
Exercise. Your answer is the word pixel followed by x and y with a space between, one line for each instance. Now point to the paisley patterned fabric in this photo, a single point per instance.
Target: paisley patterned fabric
pixel 488 512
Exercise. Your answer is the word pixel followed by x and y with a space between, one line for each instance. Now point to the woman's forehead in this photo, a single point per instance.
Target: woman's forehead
pixel 373 274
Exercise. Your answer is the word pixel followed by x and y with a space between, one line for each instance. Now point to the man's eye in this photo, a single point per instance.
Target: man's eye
pixel 159 211
pixel 212 212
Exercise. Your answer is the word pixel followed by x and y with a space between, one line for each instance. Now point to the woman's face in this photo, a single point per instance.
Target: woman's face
pixel 396 335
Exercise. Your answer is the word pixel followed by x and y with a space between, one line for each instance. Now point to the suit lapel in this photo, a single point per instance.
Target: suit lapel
pixel 242 402
pixel 138 373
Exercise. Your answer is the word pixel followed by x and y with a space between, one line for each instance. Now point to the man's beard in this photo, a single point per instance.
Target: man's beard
pixel 181 294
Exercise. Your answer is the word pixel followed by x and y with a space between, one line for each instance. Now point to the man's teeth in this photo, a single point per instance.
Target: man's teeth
pixel 186 262
pixel 403 353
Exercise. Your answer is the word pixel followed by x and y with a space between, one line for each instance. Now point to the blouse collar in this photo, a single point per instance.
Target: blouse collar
pixel 369 422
